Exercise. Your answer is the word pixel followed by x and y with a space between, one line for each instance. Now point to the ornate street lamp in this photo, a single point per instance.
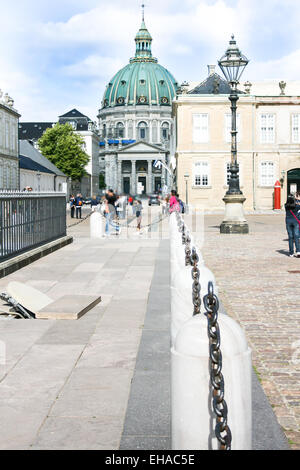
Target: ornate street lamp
pixel 232 65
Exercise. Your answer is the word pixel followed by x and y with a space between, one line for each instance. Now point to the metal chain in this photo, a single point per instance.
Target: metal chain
pixel 187 249
pixel 211 304
pixel 196 287
pixel 222 430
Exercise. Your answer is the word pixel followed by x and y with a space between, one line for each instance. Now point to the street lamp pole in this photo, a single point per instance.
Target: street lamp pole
pixel 232 65
pixel 186 177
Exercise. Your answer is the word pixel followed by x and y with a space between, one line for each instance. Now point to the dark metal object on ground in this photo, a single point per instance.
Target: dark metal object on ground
pixel 18 308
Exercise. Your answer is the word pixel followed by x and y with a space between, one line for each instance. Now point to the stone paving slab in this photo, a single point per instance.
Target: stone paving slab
pixel 73 367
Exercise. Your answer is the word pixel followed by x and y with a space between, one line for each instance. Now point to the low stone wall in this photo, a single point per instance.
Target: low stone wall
pixel 18 262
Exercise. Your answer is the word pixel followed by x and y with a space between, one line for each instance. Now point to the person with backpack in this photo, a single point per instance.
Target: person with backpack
pixel 292 225
pixel 78 205
pixel 72 205
pixel 181 205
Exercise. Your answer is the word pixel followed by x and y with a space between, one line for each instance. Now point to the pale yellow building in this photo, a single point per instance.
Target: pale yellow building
pixel 268 124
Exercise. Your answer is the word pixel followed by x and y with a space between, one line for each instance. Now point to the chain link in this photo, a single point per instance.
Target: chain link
pixel 196 286
pixel 222 430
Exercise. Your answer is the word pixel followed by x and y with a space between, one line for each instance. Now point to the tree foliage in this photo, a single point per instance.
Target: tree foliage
pixel 64 149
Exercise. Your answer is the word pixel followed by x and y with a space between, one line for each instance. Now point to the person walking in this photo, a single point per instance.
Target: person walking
pixel 292 225
pixel 78 205
pixel 138 214
pixel 173 203
pixel 121 206
pixel 110 212
pixel 94 203
pixel 72 205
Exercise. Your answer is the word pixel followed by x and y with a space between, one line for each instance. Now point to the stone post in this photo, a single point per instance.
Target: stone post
pixel 149 189
pixel 133 177
pixel 119 182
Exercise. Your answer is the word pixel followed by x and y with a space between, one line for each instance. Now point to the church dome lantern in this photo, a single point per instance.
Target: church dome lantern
pixel 143 81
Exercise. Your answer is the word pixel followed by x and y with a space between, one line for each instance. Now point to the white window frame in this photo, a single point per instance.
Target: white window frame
pixel 201 174
pixel 267 128
pixel 296 128
pixel 228 125
pixel 266 178
pixel 200 128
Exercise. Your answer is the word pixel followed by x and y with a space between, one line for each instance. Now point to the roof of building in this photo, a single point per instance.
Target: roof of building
pixel 143 81
pixel 27 164
pixel 29 151
pixel 33 130
pixel 73 114
pixel 212 85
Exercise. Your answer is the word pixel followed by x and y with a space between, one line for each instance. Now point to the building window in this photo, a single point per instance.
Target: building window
pixel 295 128
pixel 142 130
pixel 267 128
pixel 201 174
pixel 200 128
pixel 267 173
pixel 228 127
pixel 165 131
pixel 120 130
pixel 6 134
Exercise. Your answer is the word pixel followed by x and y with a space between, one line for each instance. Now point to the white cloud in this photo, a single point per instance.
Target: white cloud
pixel 94 66
pixel 59 54
pixel 284 68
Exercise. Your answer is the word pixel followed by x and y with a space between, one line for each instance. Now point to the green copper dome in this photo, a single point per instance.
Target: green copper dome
pixel 143 81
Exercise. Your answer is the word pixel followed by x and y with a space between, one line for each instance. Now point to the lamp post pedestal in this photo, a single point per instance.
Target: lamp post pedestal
pixel 234 219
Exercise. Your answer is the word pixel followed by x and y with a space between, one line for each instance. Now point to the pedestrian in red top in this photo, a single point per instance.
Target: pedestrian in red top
pixel 173 203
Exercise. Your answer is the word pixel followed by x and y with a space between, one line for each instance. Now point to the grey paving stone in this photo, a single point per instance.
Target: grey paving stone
pixel 155 352
pixel 20 421
pixel 145 442
pixel 148 411
pixel 43 370
pixel 71 332
pixel 57 433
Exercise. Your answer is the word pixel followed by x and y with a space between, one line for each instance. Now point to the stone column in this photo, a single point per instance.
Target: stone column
pixel 150 132
pixel 149 181
pixel 133 177
pixel 107 172
pixel 119 182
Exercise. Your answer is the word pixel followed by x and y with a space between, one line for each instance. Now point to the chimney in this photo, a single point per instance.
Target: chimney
pixel 211 69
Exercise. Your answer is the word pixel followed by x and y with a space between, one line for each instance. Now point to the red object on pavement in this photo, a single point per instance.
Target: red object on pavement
pixel 277 198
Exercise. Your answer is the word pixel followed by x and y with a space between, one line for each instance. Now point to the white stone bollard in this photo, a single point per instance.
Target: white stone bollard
pixel 193 419
pixel 181 295
pixel 96 225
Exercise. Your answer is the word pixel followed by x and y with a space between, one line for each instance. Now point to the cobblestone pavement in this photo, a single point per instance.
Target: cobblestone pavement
pixel 259 287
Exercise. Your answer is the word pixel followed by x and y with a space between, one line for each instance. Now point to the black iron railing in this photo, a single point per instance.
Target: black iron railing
pixel 28 220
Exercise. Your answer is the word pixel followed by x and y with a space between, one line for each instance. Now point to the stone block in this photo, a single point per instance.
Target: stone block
pixel 69 307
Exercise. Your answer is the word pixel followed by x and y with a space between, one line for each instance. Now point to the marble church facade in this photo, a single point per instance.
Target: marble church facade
pixel 135 123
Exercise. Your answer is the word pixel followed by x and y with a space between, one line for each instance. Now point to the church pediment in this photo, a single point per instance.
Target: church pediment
pixel 139 147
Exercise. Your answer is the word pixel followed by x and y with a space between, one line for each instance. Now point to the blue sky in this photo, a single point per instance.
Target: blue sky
pixel 58 55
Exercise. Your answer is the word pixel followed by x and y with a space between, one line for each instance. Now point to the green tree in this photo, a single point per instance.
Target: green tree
pixel 64 149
